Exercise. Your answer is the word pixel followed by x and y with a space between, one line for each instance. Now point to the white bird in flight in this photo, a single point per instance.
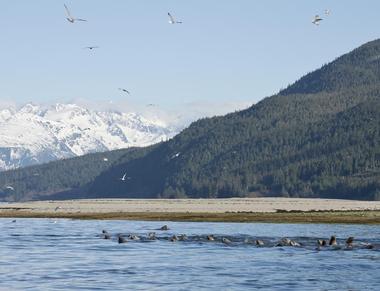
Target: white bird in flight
pixel 172 20
pixel 175 155
pixel 125 91
pixel 317 20
pixel 10 188
pixel 70 18
pixel 124 178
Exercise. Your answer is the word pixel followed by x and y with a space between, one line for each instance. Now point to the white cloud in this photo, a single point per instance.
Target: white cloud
pixel 191 111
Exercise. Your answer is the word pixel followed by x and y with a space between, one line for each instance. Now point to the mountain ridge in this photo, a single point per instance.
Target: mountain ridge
pixel 35 134
pixel 353 66
pixel 276 146
pixel 320 137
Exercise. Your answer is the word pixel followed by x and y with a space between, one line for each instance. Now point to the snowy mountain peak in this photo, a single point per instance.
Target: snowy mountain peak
pixel 34 134
pixel 29 108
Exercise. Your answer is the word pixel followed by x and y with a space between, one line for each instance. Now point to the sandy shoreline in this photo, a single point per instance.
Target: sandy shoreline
pixel 234 209
pixel 259 205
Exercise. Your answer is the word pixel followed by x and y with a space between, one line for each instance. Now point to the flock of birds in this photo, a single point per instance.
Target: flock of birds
pixel 316 21
pixel 320 244
pixel 172 20
pixel 70 18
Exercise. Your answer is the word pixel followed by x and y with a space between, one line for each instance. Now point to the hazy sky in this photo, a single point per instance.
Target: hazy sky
pixel 225 54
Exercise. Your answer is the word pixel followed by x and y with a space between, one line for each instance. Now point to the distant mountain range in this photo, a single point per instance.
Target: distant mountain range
pixel 34 134
pixel 320 137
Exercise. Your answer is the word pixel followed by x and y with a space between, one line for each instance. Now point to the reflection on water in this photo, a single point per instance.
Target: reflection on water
pixel 44 254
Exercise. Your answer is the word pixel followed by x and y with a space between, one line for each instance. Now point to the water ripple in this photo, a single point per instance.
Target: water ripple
pixel 38 254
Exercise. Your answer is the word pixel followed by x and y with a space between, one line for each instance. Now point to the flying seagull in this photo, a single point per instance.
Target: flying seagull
pixel 70 18
pixel 317 19
pixel 10 188
pixel 91 47
pixel 172 20
pixel 124 178
pixel 125 91
pixel 175 155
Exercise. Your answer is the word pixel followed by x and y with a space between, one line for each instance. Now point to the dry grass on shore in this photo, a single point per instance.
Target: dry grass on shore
pixel 349 217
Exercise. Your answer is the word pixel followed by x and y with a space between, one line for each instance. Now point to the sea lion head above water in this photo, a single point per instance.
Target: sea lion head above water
pixel 349 241
pixel 226 240
pixel 121 239
pixel 174 238
pixel 332 241
pixel 283 242
pixel 210 237
pixel 152 236
pixel 259 242
pixel 182 237
pixel 133 237
pixel 322 242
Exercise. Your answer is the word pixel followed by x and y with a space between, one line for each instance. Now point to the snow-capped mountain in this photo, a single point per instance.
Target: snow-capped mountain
pixel 34 134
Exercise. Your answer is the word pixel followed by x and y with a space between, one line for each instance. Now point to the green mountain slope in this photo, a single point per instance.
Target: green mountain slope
pixel 320 137
pixel 317 138
pixel 64 178
pixel 358 68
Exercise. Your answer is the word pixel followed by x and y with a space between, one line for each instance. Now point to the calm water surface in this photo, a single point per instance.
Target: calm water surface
pixel 45 254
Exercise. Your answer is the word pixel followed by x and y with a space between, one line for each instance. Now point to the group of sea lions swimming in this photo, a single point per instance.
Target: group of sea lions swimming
pixel 331 244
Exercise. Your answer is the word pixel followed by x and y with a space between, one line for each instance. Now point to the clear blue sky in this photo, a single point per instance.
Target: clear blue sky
pixel 224 52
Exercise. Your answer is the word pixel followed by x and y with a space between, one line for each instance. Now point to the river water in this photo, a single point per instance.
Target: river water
pixel 64 254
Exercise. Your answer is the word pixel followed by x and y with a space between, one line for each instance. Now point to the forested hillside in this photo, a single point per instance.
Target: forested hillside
pixel 320 137
pixel 64 179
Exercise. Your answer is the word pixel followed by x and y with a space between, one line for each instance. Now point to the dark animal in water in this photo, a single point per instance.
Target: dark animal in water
pixel 368 246
pixel 133 237
pixel 332 241
pixel 226 240
pixel 152 236
pixel 259 242
pixel 121 240
pixel 106 235
pixel 288 242
pixel 174 238
pixel 182 237
pixel 210 237
pixel 322 243
pixel 349 241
